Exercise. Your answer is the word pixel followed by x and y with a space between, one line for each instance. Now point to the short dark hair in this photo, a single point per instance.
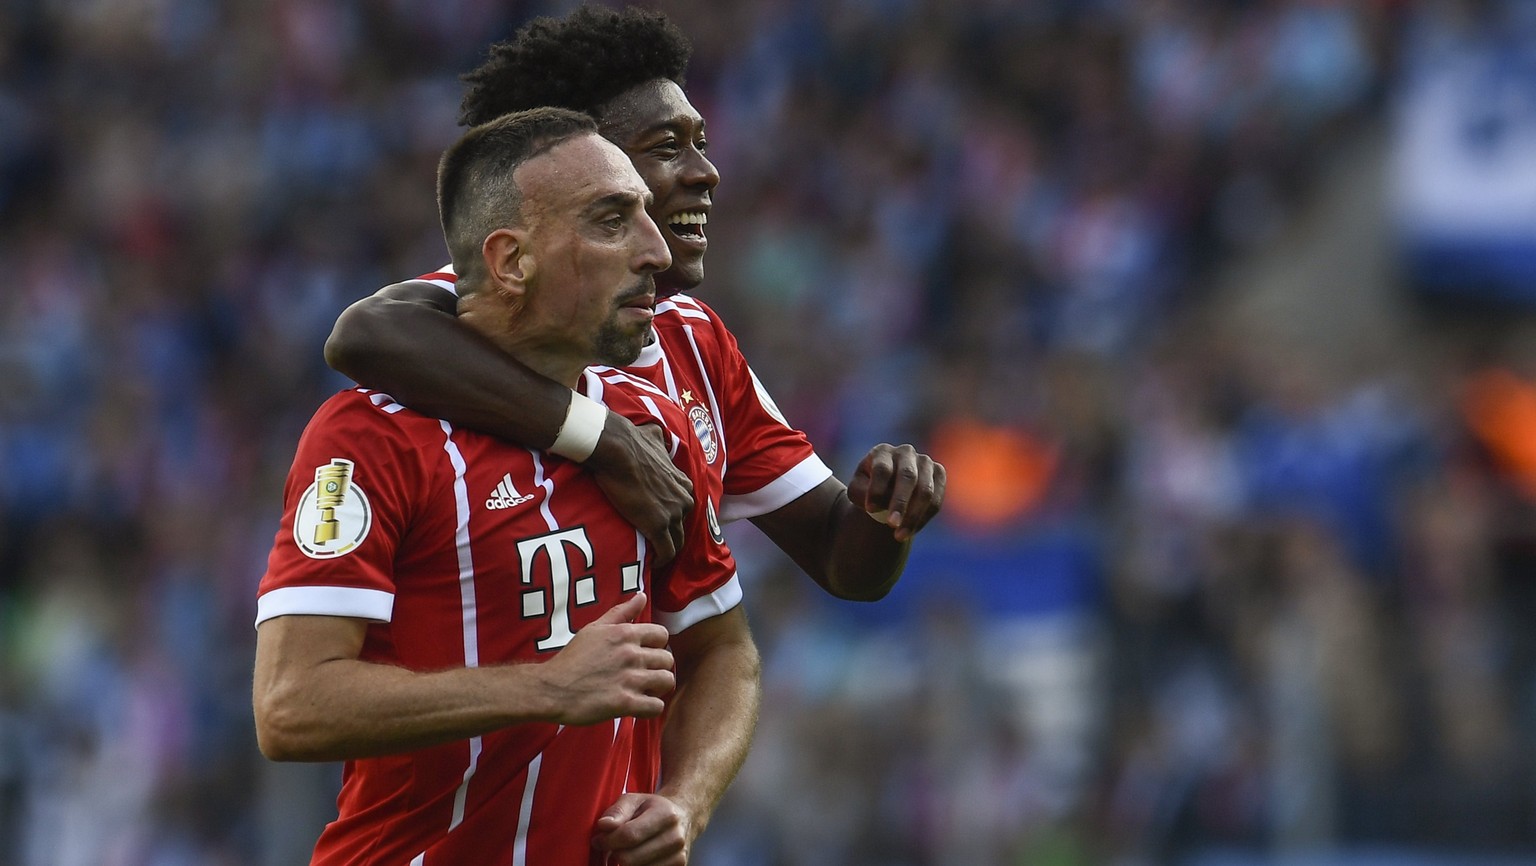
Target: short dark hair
pixel 578 62
pixel 475 191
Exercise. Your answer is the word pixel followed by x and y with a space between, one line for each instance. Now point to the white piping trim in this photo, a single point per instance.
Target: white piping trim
pixel 353 601
pixel 468 609
pixel 703 607
pixel 776 494
pixel 525 813
pixel 714 405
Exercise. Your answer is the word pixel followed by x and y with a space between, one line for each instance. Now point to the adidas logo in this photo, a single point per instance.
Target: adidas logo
pixel 505 495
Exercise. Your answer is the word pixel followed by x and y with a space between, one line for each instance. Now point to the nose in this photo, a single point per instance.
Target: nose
pixel 699 171
pixel 651 253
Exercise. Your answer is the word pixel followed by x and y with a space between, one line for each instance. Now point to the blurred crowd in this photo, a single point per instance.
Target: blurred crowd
pixel 1186 597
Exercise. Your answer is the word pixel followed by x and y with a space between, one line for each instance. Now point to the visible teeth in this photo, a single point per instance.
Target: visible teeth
pixel 692 218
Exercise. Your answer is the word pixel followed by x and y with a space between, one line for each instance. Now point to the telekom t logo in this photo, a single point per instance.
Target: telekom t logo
pixel 580 592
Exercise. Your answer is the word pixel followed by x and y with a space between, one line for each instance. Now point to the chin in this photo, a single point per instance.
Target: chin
pixel 621 350
pixel 681 277
pixel 621 357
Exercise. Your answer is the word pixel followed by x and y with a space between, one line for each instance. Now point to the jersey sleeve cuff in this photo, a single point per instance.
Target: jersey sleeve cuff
pixel 776 494
pixel 702 608
pixel 370 604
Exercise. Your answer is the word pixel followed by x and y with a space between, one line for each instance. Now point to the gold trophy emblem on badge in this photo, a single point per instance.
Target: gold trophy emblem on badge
pixel 331 483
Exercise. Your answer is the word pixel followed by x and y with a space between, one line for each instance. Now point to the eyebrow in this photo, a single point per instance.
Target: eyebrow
pixel 675 124
pixel 619 200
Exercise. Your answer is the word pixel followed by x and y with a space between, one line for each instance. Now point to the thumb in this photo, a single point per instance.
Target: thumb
pixel 621 811
pixel 624 611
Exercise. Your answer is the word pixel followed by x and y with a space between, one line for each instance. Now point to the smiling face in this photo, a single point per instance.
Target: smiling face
pixel 582 265
pixel 663 136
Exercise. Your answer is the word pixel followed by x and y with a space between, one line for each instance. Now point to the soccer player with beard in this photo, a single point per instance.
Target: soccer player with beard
pixel 469 623
pixel 626 70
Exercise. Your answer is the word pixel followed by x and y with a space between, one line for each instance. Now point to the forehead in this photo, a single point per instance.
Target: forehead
pixel 575 172
pixel 646 106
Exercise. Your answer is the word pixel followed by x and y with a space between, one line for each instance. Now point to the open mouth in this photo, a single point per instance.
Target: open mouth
pixel 689 225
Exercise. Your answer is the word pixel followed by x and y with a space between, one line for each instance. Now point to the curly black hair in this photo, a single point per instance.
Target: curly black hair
pixel 577 62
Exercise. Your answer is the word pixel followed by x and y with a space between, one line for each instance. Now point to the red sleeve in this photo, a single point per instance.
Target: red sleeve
pixel 701 581
pixel 349 496
pixel 771 463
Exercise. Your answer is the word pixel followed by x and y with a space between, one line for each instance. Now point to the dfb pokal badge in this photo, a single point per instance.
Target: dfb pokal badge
pixel 333 515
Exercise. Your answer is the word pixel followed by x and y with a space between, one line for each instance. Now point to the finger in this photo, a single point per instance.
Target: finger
pixel 679 527
pixel 666 541
pixel 656 683
pixel 655 659
pixel 669 539
pixel 879 489
pixel 624 611
pixel 919 508
pixel 858 488
pixel 664 849
pixel 904 476
pixel 650 634
pixel 647 706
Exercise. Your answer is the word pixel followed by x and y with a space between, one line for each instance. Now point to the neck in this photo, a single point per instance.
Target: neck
pixel 496 318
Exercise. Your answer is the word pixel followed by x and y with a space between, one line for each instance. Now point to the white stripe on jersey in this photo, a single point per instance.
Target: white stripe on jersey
pixel 466 601
pixel 616 376
pixel 686 307
pixel 640 548
pixel 666 372
pixel 629 761
pixel 525 813
pixel 383 401
pixel 549 490
pixel 714 405
pixel 451 286
pixel 675 443
pixel 594 380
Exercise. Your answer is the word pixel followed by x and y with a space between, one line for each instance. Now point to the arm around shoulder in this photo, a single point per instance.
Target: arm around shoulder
pixel 405 340
pixel 372 334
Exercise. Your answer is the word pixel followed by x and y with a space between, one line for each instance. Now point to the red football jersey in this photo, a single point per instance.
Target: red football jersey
pixel 763 462
pixel 464 550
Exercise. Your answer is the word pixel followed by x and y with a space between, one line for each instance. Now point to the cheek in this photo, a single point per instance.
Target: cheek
pixel 657 177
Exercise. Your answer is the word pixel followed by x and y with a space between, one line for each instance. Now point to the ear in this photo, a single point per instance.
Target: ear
pixel 508 262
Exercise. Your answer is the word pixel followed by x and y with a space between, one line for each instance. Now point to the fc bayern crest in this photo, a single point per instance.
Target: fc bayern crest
pixel 704 428
pixel 333 516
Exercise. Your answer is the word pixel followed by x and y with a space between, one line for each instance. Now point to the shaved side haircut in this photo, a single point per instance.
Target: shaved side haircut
pixel 476 193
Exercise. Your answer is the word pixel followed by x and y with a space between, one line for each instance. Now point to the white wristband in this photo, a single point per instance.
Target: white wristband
pixel 583 425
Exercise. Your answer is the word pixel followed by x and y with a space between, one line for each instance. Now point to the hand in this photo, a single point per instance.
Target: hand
pixel 633 469
pixel 899 487
pixel 645 830
pixel 613 667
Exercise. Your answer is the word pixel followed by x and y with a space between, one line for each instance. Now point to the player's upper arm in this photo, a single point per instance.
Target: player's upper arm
pixel 728 629
pixel 374 325
pixel 355 485
pixel 289 649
